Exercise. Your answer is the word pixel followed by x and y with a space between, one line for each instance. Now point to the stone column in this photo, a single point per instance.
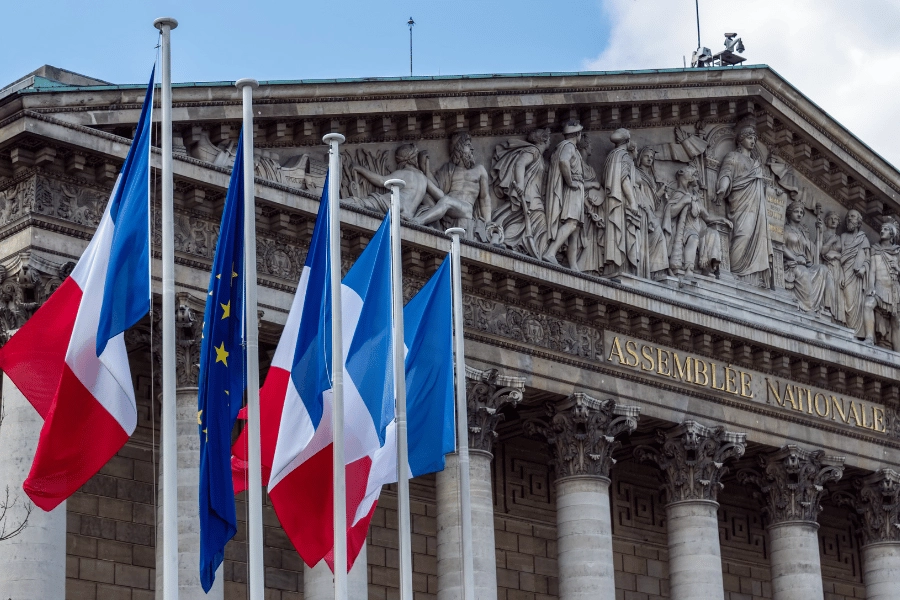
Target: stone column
pixel 581 432
pixel 877 505
pixel 189 321
pixel 488 393
pixel 691 461
pixel 32 562
pixel 792 482
pixel 318 581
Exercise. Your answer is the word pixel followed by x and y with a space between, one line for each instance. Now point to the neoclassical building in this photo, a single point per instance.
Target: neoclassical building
pixel 682 320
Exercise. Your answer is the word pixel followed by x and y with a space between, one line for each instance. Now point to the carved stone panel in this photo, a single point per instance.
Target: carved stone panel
pixel 876 504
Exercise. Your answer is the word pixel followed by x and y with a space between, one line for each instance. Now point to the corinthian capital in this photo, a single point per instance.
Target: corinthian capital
pixel 581 432
pixel 692 459
pixel 487 393
pixel 877 506
pixel 792 482
pixel 188 334
pixel 26 282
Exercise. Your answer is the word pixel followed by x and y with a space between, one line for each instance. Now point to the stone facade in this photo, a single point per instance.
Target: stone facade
pixel 680 297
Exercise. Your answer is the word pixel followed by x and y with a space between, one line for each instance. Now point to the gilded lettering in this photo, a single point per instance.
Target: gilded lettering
pixel 712 367
pixel 839 409
pixel 878 420
pixel 731 381
pixel 683 372
pixel 773 390
pixel 647 355
pixel 790 397
pixel 616 350
pixel 662 362
pixel 631 350
pixel 855 414
pixel 698 371
pixel 745 385
pixel 827 405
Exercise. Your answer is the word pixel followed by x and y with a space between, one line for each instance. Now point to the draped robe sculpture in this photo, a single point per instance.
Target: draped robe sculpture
pixel 621 210
pixel 565 196
pixel 812 284
pixel 649 193
pixel 882 303
pixel 855 249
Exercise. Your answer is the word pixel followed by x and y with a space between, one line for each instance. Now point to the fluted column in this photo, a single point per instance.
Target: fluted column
pixel 581 433
pixel 32 562
pixel 189 321
pixel 488 393
pixel 691 460
pixel 792 482
pixel 877 506
pixel 318 581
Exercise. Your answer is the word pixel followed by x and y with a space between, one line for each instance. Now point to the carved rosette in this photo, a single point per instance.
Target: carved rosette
pixel 877 506
pixel 792 482
pixel 25 284
pixel 692 459
pixel 581 432
pixel 487 394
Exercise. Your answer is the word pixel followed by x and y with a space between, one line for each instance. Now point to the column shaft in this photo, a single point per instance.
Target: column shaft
pixel 796 569
pixel 33 563
pixel 584 538
pixel 189 587
pixel 695 559
pixel 318 581
pixel 881 570
pixel 448 528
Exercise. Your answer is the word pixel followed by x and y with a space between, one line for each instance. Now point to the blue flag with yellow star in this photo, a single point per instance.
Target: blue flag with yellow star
pixel 223 368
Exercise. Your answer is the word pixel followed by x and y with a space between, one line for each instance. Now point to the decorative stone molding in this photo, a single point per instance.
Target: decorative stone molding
pixel 792 482
pixel 692 459
pixel 25 284
pixel 581 432
pixel 877 506
pixel 488 393
pixel 188 335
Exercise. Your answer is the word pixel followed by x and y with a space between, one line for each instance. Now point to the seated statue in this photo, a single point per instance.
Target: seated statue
pixel 411 195
pixel 882 305
pixel 693 244
pixel 812 284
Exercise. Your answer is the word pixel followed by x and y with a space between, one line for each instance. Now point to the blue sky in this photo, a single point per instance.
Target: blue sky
pixel 227 39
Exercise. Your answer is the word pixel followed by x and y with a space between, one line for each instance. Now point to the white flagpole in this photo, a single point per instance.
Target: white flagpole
pixel 406 590
pixel 251 328
pixel 462 420
pixel 334 140
pixel 169 433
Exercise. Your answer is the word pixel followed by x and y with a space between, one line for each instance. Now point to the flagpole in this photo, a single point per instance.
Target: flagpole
pixel 334 140
pixel 170 436
pixel 406 590
pixel 251 328
pixel 462 420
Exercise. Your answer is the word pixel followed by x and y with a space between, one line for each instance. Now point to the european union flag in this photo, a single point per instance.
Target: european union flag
pixel 223 369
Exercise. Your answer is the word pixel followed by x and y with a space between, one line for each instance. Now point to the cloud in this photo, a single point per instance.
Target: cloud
pixel 841 55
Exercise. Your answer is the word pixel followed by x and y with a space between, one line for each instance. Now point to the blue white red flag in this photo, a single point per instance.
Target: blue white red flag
pixel 69 360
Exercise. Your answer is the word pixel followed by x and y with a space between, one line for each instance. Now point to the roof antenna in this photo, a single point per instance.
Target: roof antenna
pixel 410 23
pixel 703 57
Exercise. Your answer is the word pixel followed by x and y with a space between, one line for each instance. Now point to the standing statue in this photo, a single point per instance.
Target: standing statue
pixel 590 258
pixel 651 202
pixel 565 196
pixel 855 266
pixel 831 257
pixel 517 175
pixel 812 284
pixel 408 169
pixel 467 195
pixel 882 305
pixel 693 243
pixel 742 184
pixel 622 213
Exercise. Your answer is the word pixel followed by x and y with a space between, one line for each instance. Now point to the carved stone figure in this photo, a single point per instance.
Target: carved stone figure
pixel 590 258
pixel 565 196
pixel 742 184
pixel 467 195
pixel 411 195
pixel 693 244
pixel 651 202
pixel 812 284
pixel 883 288
pixel 855 267
pixel 621 214
pixel 830 254
pixel 517 176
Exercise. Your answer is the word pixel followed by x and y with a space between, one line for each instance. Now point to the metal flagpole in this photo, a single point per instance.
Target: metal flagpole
pixel 406 590
pixel 462 420
pixel 334 140
pixel 251 328
pixel 170 436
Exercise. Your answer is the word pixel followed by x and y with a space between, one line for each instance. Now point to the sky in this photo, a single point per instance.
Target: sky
pixel 842 55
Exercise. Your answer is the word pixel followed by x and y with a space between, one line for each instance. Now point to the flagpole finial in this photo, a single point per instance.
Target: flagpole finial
pixel 333 137
pixel 395 182
pixel 164 21
pixel 242 83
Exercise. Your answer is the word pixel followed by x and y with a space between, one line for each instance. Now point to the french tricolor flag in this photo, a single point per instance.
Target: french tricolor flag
pixel 69 360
